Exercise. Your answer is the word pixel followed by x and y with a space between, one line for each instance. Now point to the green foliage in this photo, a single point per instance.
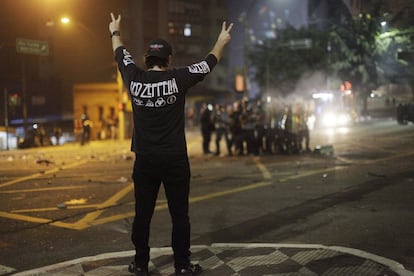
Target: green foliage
pixel 280 63
pixel 367 54
pixel 389 44
pixel 355 52
pixel 360 50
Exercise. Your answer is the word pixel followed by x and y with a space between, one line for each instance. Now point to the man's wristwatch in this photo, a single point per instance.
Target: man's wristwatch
pixel 115 33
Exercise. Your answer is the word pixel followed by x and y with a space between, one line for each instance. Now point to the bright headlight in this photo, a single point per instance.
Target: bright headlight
pixel 332 119
pixel 329 120
pixel 343 119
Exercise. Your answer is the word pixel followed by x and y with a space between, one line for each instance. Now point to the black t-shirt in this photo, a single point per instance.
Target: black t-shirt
pixel 158 102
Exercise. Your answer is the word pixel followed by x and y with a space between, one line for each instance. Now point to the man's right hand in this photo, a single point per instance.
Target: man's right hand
pixel 115 24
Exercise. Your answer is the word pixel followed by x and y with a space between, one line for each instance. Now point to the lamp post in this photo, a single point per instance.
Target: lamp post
pixel 244 19
pixel 28 47
pixel 6 116
pixel 67 21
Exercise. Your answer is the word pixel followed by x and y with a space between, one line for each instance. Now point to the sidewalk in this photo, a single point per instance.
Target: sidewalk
pixel 240 259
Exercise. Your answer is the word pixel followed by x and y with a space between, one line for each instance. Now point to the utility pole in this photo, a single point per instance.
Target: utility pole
pixel 6 116
pixel 244 20
pixel 29 47
pixel 24 94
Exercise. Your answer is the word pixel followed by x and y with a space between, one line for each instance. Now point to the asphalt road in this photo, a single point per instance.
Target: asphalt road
pixel 61 203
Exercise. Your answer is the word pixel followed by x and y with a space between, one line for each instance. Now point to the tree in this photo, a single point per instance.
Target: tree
pixel 394 67
pixel 360 51
pixel 280 63
pixel 366 55
pixel 355 54
pixel 405 54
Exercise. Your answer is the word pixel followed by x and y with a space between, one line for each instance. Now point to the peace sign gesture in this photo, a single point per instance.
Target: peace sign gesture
pixel 115 24
pixel 224 36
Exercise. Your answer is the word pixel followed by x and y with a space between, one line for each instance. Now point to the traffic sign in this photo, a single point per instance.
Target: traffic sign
pixel 33 47
pixel 304 43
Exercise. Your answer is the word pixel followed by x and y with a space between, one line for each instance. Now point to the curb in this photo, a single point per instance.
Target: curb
pixel 391 264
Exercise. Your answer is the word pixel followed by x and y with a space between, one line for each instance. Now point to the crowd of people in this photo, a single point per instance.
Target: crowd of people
pixel 249 128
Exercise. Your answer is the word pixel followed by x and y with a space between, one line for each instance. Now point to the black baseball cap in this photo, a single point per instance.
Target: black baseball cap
pixel 159 48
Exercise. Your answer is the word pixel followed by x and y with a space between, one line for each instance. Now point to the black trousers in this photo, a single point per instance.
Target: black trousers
pixel 206 134
pixel 148 173
pixel 220 132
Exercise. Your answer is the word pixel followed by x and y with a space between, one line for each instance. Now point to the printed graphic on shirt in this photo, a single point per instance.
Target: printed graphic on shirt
pixel 156 94
pixel 199 68
pixel 138 102
pixel 127 58
pixel 171 99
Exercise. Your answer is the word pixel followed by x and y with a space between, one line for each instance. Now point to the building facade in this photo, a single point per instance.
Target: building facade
pixel 190 26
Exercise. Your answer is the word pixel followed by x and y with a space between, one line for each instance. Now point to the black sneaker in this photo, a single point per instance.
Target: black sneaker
pixel 138 271
pixel 191 269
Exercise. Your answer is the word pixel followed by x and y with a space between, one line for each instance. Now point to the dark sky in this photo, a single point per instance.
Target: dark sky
pixel 82 49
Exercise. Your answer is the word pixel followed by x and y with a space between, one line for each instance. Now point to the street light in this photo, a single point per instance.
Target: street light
pixel 251 37
pixel 245 22
pixel 68 22
pixel 187 30
pixel 6 116
pixel 65 20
